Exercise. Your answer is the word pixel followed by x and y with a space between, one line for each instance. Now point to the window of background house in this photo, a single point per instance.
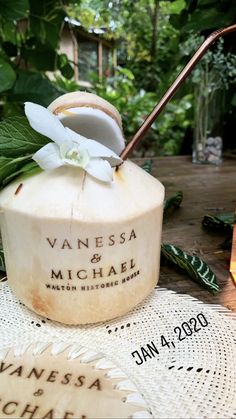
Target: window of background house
pixel 88 58
pixel 106 61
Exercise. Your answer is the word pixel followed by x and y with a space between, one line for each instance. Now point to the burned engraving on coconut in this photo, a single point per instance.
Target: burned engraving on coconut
pixel 94 274
pixel 97 270
pixel 91 243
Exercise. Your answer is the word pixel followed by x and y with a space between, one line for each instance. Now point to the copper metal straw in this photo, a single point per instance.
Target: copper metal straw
pixel 171 91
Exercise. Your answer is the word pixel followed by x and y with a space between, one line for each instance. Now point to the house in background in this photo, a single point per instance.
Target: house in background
pixel 87 51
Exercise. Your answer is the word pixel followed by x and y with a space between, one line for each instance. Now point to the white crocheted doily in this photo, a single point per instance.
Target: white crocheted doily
pixel 186 350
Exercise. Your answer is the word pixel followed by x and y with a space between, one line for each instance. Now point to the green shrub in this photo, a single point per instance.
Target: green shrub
pixel 167 133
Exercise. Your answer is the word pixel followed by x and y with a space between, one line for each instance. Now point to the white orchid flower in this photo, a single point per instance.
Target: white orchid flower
pixel 69 147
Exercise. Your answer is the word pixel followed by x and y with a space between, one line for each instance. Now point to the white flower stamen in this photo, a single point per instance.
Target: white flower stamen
pixel 76 157
pixel 73 154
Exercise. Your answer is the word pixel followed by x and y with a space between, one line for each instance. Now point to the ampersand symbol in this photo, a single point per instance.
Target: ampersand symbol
pixel 96 258
pixel 39 392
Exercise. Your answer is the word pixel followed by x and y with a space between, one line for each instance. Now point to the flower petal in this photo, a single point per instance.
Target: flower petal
pixel 48 157
pixel 64 148
pixel 44 122
pixel 100 169
pixel 96 149
pixel 75 137
pixel 81 160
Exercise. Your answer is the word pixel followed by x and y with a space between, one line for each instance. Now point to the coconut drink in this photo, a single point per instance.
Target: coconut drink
pixel 82 237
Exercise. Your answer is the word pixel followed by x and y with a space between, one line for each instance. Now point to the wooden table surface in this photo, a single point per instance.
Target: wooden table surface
pixel 207 189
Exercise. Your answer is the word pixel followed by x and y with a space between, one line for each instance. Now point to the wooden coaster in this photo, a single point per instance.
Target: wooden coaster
pixel 51 381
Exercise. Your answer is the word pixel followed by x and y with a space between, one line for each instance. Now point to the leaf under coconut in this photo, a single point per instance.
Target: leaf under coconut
pixel 18 142
pixel 11 167
pixel 26 170
pixel 193 266
pixel 18 139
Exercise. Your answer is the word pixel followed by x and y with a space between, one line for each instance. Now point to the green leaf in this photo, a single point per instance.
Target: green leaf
pixel 233 101
pixel 147 166
pixel 9 166
pixel 29 169
pixel 33 87
pixel 178 21
pixel 219 222
pixel 208 19
pixel 177 6
pixel 14 9
pixel 193 266
pixel 228 218
pixel 9 48
pixel 2 260
pixel 174 201
pixel 126 72
pixel 207 3
pixel 7 75
pixel 46 19
pixel 41 57
pixel 64 66
pixel 67 71
pixel 17 138
pixel 8 31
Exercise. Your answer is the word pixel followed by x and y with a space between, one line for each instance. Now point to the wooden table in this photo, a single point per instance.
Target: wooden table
pixel 207 189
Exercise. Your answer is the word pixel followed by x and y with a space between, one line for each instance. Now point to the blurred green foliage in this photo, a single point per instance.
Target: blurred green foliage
pixel 155 38
pixel 29 39
pixel 166 134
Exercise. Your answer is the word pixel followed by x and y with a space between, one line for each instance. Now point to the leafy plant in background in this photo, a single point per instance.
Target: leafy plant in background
pixel 64 84
pixel 166 134
pixel 214 74
pixel 204 15
pixel 148 47
pixel 149 35
pixel 18 142
pixel 147 42
pixel 29 38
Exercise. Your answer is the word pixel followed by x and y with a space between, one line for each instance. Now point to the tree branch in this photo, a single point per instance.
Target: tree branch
pixel 155 17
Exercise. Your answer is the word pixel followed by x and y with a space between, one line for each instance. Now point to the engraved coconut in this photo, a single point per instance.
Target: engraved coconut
pixel 79 250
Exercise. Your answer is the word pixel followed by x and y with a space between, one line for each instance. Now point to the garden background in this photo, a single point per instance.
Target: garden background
pixel 152 39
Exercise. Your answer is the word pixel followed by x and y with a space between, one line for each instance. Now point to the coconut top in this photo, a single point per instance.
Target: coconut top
pixel 53 194
pixel 91 116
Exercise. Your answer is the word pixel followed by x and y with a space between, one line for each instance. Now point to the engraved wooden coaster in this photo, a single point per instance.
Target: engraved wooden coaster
pixel 49 382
